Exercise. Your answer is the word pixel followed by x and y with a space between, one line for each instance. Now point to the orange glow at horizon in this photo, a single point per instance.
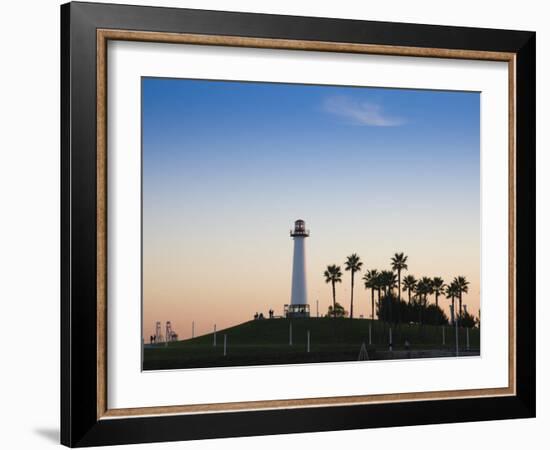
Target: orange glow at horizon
pixel 208 280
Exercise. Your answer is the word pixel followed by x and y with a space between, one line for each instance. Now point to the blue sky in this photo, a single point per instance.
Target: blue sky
pixel 209 121
pixel 376 169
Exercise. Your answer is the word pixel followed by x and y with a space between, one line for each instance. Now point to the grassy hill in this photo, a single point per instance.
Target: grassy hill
pixel 260 342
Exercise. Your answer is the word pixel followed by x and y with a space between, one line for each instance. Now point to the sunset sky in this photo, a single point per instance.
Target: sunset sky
pixel 229 166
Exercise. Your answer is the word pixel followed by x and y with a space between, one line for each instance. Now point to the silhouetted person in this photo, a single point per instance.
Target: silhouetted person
pixel 408 348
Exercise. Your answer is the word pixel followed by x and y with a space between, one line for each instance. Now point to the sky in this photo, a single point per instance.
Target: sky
pixel 229 166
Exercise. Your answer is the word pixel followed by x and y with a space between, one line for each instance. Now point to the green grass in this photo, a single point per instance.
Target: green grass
pixel 260 342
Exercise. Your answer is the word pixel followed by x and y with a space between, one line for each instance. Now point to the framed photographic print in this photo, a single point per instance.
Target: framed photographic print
pixel 276 224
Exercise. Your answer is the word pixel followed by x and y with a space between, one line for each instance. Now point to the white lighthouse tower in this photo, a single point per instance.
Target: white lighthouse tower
pixel 298 300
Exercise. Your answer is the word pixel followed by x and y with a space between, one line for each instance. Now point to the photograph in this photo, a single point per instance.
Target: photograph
pixel 296 224
pixel 282 221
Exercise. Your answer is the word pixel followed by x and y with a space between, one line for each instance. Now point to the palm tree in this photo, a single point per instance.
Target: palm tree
pixel 399 263
pixel 451 291
pixel 426 287
pixel 423 289
pixel 387 280
pixel 378 283
pixel 462 288
pixel 353 264
pixel 333 275
pixel 438 286
pixel 409 284
pixel 371 281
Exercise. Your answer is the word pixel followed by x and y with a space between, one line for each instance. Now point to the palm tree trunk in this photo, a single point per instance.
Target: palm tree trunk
pixel 333 300
pixel 391 308
pixel 453 308
pixel 351 306
pixel 399 285
pixel 379 303
pixel 460 304
pixel 436 299
pixel 372 304
pixel 409 291
pixel 399 296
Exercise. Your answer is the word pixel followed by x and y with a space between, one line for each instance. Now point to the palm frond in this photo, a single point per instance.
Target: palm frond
pixel 353 263
pixel 333 274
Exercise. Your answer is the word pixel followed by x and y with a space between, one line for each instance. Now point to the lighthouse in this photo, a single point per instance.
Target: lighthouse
pixel 298 299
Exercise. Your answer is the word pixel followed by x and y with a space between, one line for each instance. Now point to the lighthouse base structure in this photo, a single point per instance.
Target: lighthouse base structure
pixel 296 311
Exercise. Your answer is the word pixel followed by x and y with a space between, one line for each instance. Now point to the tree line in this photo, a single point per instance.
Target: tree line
pixel 390 306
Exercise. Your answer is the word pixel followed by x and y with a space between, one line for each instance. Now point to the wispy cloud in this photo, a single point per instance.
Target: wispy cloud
pixel 360 112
